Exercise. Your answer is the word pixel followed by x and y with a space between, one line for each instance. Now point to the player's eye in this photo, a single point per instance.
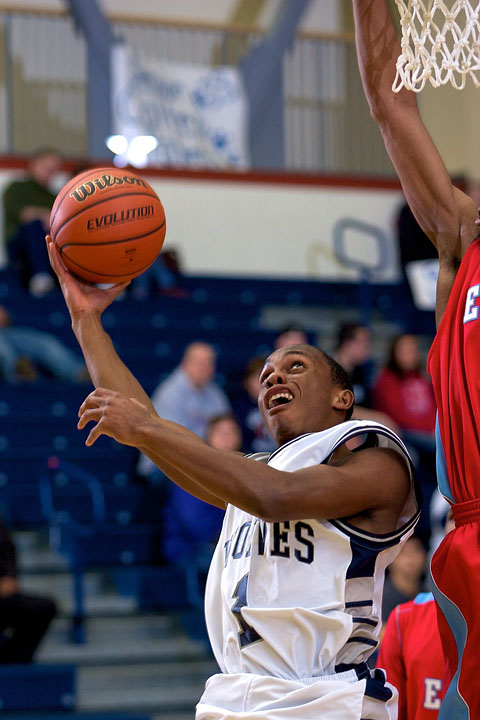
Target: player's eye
pixel 297 363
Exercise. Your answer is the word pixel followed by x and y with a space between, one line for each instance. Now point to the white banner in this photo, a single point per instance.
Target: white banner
pixel 198 114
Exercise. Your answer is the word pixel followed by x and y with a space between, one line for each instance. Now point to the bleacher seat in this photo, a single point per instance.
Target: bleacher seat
pixel 37 687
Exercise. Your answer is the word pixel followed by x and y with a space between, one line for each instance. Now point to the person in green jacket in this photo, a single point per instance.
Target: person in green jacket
pixel 27 204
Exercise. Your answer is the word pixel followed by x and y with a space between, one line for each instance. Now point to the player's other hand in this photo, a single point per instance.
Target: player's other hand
pixel 120 417
pixel 80 296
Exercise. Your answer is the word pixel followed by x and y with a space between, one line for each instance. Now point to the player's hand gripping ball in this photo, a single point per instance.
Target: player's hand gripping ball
pixel 108 224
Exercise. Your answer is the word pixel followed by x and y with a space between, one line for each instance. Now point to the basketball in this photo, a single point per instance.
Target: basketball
pixel 108 224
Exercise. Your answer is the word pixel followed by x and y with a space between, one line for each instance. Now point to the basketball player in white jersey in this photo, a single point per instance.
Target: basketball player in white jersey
pixel 294 593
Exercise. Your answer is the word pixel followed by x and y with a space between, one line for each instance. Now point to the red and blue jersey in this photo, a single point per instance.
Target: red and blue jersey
pixel 411 653
pixel 454 366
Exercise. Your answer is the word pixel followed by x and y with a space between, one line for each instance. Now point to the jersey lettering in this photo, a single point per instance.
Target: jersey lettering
pixel 308 556
pixel 242 537
pixel 280 539
pixel 262 534
pixel 248 634
pixel 285 542
pixel 433 687
pixel 471 310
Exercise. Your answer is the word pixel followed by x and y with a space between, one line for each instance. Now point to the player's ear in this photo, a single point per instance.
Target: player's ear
pixel 343 399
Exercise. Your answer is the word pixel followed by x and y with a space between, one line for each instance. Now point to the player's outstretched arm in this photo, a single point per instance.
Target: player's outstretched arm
pixel 346 488
pixel 445 214
pixel 109 374
pixel 86 303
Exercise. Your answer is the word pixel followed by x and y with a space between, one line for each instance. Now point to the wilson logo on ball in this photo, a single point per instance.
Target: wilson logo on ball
pixel 87 189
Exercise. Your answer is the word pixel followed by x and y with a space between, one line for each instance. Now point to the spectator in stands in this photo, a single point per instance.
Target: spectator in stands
pixel 412 241
pixel 419 265
pixel 224 433
pixel 404 392
pixel 291 334
pixel 22 349
pixel 191 527
pixel 24 619
pixel 189 397
pixel 405 576
pixel 164 276
pixel 257 438
pixel 27 204
pixel 354 353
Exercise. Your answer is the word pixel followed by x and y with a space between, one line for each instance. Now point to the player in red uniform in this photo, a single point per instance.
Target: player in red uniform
pixel 411 653
pixel 450 219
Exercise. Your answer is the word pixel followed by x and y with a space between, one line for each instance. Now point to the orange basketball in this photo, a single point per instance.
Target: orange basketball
pixel 108 224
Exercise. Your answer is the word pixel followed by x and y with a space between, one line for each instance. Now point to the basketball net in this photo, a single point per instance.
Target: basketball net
pixel 440 43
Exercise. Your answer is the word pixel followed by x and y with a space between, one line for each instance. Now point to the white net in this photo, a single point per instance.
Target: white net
pixel 440 43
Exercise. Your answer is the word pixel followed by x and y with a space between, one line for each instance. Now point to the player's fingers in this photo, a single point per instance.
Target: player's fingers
pixel 92 415
pixel 55 259
pixel 94 434
pixel 52 254
pixel 94 399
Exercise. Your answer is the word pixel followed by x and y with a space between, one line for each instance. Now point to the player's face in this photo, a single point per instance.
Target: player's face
pixel 297 394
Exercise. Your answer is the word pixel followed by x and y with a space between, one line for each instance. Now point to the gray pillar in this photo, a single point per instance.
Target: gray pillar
pixel 262 75
pixel 99 37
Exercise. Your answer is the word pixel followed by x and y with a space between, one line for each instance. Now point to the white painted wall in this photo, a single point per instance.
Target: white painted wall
pixel 225 227
pixel 274 230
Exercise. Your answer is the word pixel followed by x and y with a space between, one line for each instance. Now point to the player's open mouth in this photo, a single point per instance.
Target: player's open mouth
pixel 280 398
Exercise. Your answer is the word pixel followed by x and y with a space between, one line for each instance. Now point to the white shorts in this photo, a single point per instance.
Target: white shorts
pixel 333 697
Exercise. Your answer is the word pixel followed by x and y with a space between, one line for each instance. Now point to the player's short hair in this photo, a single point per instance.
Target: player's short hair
pixel 340 377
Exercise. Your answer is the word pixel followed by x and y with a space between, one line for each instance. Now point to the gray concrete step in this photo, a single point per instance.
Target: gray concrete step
pixel 131 662
pixel 170 687
pixel 121 641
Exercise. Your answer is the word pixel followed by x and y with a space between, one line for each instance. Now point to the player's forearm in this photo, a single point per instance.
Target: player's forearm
pixel 104 365
pixel 184 480
pixel 378 48
pixel 197 467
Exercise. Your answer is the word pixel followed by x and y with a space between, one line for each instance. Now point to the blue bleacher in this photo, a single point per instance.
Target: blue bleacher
pixel 37 687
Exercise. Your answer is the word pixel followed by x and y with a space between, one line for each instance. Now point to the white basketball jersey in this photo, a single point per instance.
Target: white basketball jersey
pixel 302 598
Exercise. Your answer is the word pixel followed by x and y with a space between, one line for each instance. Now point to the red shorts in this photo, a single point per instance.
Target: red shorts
pixel 456 573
